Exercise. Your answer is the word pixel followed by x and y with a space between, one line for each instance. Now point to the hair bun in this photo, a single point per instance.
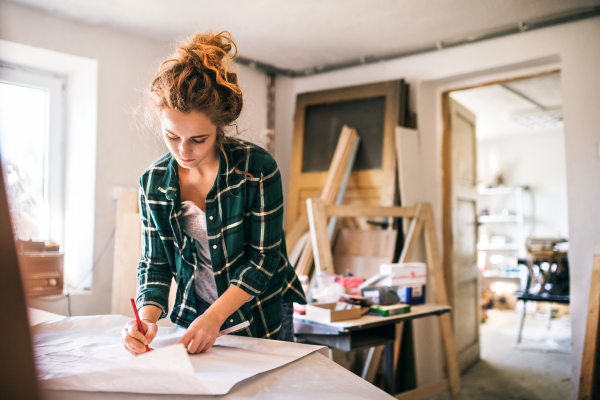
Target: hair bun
pixel 198 79
pixel 207 51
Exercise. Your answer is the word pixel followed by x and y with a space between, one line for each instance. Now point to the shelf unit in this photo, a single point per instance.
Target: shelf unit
pixel 518 241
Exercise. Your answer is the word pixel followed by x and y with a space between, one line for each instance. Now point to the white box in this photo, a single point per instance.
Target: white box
pixel 405 274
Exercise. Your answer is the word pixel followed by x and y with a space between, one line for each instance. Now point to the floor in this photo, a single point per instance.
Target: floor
pixel 538 368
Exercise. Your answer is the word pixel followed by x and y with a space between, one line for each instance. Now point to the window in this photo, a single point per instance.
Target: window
pixel 31 132
pixel 70 84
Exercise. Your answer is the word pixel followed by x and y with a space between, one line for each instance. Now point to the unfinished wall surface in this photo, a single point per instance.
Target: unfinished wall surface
pixel 575 47
pixel 126 64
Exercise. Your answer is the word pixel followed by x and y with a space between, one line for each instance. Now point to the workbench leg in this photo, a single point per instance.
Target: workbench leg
pixel 523 312
pixel 389 381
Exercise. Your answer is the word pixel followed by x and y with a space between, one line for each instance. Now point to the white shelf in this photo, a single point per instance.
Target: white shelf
pixel 504 246
pixel 499 190
pixel 500 274
pixel 498 218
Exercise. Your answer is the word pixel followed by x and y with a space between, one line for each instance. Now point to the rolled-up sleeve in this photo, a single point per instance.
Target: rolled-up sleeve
pixel 266 233
pixel 154 272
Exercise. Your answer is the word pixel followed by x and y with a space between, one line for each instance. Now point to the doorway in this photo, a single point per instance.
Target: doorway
pixel 505 199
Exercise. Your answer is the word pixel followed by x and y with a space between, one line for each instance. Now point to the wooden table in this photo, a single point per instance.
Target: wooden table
pixel 314 376
pixel 365 332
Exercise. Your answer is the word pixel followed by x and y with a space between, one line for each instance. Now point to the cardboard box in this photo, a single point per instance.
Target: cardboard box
pixel 326 312
pixel 405 274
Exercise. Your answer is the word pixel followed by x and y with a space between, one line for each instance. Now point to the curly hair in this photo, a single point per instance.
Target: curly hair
pixel 198 78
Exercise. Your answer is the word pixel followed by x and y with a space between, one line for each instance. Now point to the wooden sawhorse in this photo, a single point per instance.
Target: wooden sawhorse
pixel 422 221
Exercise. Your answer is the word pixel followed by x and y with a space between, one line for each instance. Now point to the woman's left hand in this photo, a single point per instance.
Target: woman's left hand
pixel 201 334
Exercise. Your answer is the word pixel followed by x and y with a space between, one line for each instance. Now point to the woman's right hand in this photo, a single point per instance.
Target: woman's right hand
pixel 134 341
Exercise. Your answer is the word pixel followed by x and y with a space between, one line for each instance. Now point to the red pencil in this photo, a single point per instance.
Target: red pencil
pixel 139 322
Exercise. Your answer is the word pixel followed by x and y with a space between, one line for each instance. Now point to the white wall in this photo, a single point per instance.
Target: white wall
pixel 126 64
pixel 538 161
pixel 577 47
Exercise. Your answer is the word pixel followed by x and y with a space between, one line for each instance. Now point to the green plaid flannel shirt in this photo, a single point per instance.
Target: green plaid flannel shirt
pixel 247 246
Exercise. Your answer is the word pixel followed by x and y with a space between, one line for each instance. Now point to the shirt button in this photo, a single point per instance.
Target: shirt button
pixel 231 320
pixel 215 246
pixel 211 217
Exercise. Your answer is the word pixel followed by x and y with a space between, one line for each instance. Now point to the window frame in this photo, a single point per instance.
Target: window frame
pixel 54 152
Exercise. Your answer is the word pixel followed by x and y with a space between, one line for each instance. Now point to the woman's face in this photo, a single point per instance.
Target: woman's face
pixel 191 138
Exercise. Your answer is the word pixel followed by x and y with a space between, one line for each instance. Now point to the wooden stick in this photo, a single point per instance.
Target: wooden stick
pixel 397 345
pixel 372 364
pixel 414 232
pixel 589 361
pixel 321 244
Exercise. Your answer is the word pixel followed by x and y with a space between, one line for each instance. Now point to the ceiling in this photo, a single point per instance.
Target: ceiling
pixel 298 35
pixel 495 106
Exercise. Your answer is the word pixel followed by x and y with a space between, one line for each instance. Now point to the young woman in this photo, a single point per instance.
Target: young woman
pixel 211 212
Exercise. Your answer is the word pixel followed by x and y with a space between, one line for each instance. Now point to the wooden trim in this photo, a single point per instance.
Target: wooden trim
pixel 589 361
pixel 447 236
pixel 425 392
pixel 359 210
pixel 507 80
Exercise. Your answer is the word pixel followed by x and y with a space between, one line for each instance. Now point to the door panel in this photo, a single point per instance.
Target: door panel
pixel 374 111
pixel 464 276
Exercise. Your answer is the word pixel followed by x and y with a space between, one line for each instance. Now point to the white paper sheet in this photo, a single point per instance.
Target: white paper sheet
pixel 86 354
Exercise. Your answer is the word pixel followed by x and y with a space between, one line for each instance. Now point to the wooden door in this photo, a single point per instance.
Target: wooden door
pixel 373 110
pixel 460 230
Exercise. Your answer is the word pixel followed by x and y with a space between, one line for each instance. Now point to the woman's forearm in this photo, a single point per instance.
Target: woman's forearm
pixel 228 303
pixel 151 313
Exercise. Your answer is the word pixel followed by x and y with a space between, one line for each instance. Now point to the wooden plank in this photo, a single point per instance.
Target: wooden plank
pixel 410 168
pixel 321 245
pixel 372 243
pixel 363 251
pixel 397 345
pixel 368 211
pixel 295 252
pixel 372 364
pixel 366 267
pixel 424 393
pixel 436 275
pixel 412 239
pixel 128 236
pixel 589 361
pixel 294 234
pixel 305 263
pixel 337 168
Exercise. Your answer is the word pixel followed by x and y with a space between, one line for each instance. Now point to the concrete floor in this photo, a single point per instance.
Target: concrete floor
pixel 538 368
